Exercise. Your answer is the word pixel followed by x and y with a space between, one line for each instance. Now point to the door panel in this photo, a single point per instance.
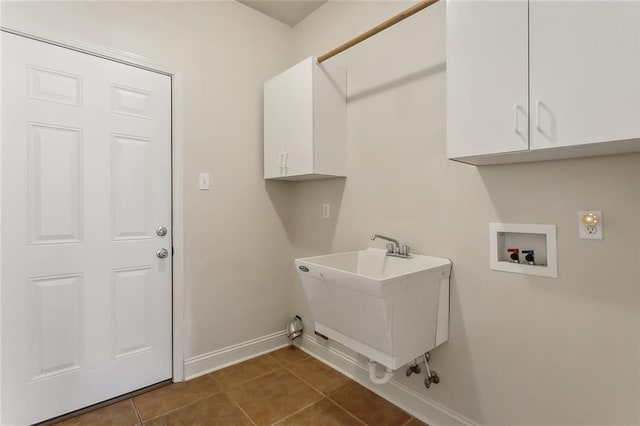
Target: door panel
pixel 86 180
pixel 132 188
pixel 54 86
pixel 56 337
pixel 129 101
pixel 487 42
pixel 275 122
pixel 299 119
pixel 55 184
pixel 585 72
pixel 129 313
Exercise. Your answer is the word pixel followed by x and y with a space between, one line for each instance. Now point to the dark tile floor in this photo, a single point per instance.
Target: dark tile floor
pixel 285 387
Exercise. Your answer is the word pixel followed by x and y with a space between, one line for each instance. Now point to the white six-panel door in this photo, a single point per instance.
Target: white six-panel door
pixel 86 181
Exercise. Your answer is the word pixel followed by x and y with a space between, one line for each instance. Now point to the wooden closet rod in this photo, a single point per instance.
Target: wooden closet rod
pixel 423 4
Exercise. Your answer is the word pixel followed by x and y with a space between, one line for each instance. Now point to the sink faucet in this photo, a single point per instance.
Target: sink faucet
pixel 396 244
pixel 393 248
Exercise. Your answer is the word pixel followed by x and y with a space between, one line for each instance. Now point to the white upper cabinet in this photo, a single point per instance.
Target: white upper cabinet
pixel 487 77
pixel 305 123
pixel 569 70
pixel 585 73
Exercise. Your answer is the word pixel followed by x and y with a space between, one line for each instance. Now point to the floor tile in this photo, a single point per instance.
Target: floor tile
pixel 289 355
pixel 119 414
pixel 415 422
pixel 272 397
pixel 218 409
pixel 323 412
pixel 368 407
pixel 162 400
pixel 259 391
pixel 240 373
pixel 319 375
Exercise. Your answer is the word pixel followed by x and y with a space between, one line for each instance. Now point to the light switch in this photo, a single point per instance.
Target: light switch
pixel 326 211
pixel 204 181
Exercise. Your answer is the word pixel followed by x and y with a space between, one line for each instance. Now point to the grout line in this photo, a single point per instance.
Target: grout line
pixel 233 401
pixel 184 406
pixel 296 412
pixel 290 363
pixel 326 395
pixel 274 358
pixel 235 385
pixel 307 383
pixel 334 402
pixel 216 381
pixel 408 421
pixel 316 389
pixel 135 409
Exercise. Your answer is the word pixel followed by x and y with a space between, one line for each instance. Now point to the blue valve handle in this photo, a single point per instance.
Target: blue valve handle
pixel 529 255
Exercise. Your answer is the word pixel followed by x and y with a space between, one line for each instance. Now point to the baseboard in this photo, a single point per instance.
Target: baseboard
pixel 216 360
pixel 404 397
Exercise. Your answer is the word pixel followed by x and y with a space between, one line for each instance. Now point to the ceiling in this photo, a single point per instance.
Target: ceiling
pixel 289 12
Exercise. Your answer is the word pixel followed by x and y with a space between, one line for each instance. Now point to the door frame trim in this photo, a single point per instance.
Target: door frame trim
pixel 38 33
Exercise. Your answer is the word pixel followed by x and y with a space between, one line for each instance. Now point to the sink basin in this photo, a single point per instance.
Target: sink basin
pixel 389 309
pixel 373 268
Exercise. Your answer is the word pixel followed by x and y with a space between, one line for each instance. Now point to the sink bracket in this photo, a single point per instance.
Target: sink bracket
pixel 320 335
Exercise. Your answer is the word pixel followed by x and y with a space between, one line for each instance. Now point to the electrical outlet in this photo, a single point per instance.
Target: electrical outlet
pixel 590 232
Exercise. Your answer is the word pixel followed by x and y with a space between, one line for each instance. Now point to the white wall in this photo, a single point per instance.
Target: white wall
pixel 236 249
pixel 522 349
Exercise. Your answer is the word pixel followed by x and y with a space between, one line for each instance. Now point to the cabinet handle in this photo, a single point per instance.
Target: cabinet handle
pixel 286 162
pixel 516 107
pixel 538 128
pixel 281 162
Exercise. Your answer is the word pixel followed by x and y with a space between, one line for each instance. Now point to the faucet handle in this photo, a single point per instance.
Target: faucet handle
pixel 404 251
pixel 391 248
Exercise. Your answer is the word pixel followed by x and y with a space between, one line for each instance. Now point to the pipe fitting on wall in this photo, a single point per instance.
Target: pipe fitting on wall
pixel 378 378
pixel 295 329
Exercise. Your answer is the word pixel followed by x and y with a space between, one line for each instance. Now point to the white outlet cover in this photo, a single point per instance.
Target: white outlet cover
pixel 590 232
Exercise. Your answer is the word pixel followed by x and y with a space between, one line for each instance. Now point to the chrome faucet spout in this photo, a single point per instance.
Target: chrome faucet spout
pixel 396 244
pixel 393 248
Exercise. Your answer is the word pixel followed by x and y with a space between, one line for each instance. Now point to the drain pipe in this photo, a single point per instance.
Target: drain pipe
pixel 377 378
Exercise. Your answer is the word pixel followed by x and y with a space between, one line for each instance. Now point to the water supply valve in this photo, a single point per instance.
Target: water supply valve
pixel 529 256
pixel 515 257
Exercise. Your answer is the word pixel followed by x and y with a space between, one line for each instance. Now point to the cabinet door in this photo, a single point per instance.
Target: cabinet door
pixel 487 77
pixel 299 113
pixel 275 98
pixel 585 74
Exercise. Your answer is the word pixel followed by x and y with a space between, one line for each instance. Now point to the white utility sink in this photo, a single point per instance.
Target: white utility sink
pixel 389 309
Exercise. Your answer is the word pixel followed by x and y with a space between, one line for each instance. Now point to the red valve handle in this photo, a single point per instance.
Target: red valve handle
pixel 513 250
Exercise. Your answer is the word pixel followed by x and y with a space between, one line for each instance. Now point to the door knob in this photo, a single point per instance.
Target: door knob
pixel 161 231
pixel 162 253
